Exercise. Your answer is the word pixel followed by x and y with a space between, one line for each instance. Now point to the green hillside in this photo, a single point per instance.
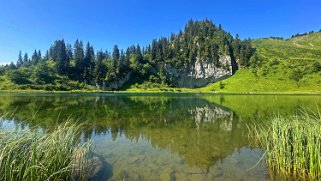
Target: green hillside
pixel 292 65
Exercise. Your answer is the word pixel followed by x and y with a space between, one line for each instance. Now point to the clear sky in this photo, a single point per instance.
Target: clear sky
pixel 35 24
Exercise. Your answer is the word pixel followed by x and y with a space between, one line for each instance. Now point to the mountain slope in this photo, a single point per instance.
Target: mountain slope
pixel 292 65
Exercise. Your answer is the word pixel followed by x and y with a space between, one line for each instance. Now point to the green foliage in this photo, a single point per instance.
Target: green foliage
pixel 316 67
pixel 42 75
pixel 134 64
pixel 297 75
pixel 221 85
pixel 200 40
pixel 19 76
pixel 274 62
pixel 112 71
pixel 255 61
pixel 59 55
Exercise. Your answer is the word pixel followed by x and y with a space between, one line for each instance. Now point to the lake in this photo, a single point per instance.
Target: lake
pixel 162 136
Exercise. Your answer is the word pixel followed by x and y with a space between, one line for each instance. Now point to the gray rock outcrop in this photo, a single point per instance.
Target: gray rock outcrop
pixel 200 74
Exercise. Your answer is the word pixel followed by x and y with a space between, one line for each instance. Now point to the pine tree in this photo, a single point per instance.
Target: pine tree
pixel 69 52
pixel 89 63
pixel 39 55
pixel 60 56
pixel 139 54
pixel 19 61
pixel 46 57
pixel 25 58
pixel 79 59
pixel 116 53
pixel 100 68
pixel 34 57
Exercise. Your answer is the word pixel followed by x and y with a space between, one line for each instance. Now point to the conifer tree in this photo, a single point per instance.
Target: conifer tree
pixel 19 61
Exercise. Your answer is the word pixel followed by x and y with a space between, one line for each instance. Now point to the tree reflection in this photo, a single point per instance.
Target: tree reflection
pixel 200 129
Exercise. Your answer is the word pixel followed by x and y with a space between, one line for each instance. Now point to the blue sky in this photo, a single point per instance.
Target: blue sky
pixel 33 24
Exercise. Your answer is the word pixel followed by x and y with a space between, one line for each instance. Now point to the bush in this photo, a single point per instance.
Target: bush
pixel 19 77
pixel 221 85
pixel 297 75
pixel 316 67
pixel 274 62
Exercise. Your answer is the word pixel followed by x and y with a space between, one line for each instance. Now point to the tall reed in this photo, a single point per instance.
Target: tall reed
pixel 293 146
pixel 30 155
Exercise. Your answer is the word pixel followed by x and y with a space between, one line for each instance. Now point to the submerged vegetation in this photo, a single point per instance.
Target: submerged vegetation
pixel 31 155
pixel 293 146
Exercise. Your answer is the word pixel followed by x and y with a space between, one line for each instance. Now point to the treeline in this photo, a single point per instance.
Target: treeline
pixel 199 41
pixel 302 34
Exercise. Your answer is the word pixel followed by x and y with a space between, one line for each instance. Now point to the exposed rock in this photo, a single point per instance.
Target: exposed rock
pixel 85 165
pixel 200 74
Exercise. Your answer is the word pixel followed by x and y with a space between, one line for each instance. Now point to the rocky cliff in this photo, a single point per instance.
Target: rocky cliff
pixel 201 73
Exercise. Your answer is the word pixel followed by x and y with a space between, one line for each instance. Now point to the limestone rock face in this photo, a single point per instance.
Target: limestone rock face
pixel 200 74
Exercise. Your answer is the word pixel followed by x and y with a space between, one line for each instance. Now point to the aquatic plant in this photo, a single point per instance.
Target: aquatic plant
pixel 33 155
pixel 292 145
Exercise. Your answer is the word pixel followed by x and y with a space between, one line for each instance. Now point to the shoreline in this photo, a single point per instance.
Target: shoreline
pixel 167 91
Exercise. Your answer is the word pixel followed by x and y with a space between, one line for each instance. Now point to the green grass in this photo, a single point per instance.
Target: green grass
pixel 155 87
pixel 284 66
pixel 244 81
pixel 30 155
pixel 293 146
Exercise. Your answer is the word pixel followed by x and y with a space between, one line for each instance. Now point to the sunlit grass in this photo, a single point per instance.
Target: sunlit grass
pixel 293 146
pixel 31 155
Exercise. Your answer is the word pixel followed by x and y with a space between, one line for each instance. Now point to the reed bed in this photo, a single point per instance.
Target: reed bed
pixel 30 155
pixel 293 146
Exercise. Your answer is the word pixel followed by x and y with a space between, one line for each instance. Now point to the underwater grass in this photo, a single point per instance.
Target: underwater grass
pixel 292 145
pixel 30 155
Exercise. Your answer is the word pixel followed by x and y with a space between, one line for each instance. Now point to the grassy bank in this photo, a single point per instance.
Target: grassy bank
pixel 30 155
pixel 293 146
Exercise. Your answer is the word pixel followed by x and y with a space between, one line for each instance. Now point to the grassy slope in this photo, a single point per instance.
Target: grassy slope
pixel 296 54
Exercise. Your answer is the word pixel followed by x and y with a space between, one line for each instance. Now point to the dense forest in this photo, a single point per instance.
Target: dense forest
pixel 66 66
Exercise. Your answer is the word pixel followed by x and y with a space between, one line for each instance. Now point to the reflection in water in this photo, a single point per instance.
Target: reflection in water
pixel 209 115
pixel 161 136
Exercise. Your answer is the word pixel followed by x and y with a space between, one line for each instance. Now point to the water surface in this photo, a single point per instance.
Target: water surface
pixel 162 136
